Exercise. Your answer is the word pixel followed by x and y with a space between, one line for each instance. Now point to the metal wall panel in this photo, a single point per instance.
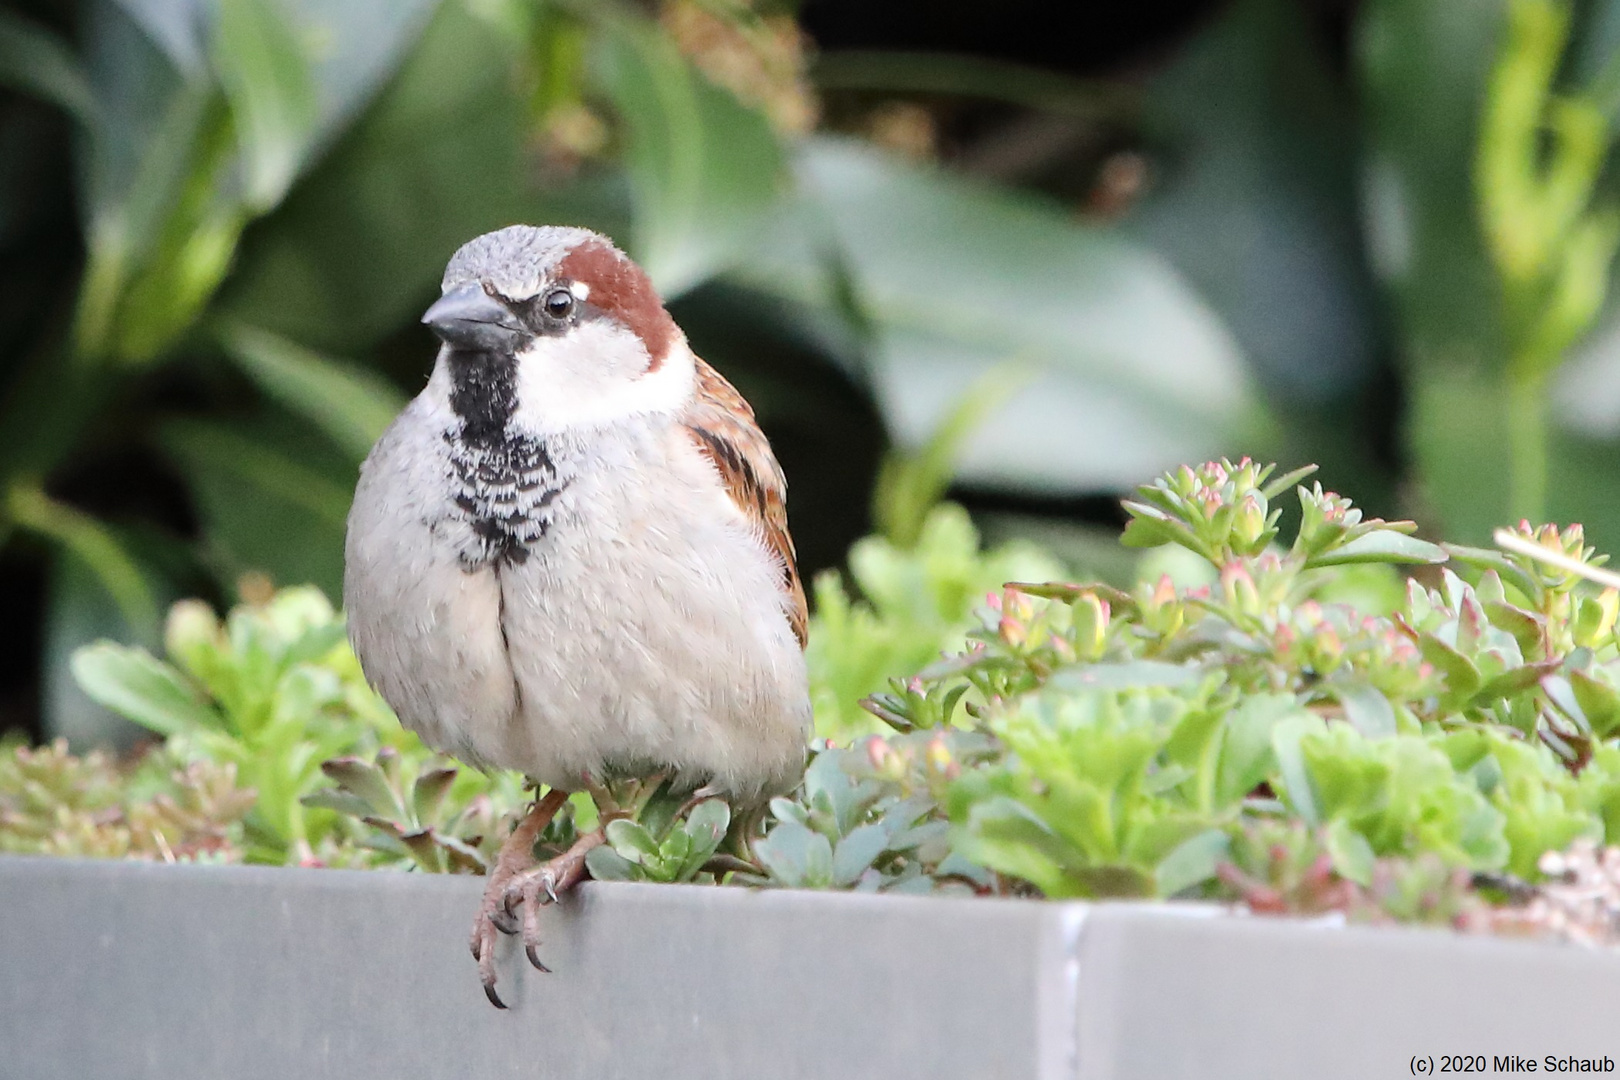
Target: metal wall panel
pixel 125 970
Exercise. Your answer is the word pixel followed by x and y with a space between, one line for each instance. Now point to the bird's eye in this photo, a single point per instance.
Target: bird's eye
pixel 559 303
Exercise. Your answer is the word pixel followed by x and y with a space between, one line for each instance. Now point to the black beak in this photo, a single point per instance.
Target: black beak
pixel 470 320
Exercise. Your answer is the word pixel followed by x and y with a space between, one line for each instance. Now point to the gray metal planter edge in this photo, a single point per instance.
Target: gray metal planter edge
pixel 112 970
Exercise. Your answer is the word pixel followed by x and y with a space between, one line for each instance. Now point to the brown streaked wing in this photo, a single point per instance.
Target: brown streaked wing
pixel 722 425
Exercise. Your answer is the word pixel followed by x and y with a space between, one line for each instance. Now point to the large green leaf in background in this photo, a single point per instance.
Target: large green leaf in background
pixel 349 404
pixel 1424 66
pixel 270 498
pixel 357 251
pixel 1586 390
pixel 208 111
pixel 1132 371
pixel 704 169
pixel 35 61
pixel 1254 197
pixel 204 113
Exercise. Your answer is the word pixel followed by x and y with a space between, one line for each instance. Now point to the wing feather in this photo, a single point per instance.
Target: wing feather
pixel 722 426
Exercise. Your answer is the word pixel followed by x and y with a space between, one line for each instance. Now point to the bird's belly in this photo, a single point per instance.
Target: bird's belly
pixel 656 646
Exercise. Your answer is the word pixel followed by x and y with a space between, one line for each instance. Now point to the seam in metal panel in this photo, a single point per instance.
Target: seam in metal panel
pixel 1073 926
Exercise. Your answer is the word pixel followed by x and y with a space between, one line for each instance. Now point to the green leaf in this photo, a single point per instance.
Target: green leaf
pixel 1192 861
pixel 1462 677
pixel 706 828
pixel 1352 855
pixel 632 841
pixel 856 852
pixel 1136 373
pixel 1001 833
pixel 704 169
pixel 270 499
pixel 1381 546
pixel 796 857
pixel 427 794
pixel 350 404
pixel 788 810
pixel 1247 754
pixel 1280 484
pixel 708 821
pixel 1254 126
pixel 1367 709
pixel 910 485
pixel 343 802
pixel 271 92
pixel 1286 740
pixel 33 60
pixel 1527 627
pixel 424 848
pixel 92 543
pixel 1598 700
pixel 134 683
pixel 1513 681
pixel 606 864
pixel 365 781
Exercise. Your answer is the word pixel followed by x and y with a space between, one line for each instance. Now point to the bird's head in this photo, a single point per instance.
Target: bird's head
pixel 555 328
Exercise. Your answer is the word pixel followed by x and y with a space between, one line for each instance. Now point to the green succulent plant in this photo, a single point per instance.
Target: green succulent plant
pixel 1131 740
pixel 153 807
pixel 273 691
pixel 421 810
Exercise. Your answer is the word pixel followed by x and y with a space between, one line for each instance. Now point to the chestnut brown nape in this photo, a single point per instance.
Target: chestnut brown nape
pixel 621 289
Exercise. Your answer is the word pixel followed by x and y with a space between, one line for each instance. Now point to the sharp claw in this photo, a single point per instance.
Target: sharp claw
pixel 504 921
pixel 494 998
pixel 534 958
pixel 549 888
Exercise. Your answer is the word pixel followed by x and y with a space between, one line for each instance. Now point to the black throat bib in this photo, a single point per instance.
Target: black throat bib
pixel 504 481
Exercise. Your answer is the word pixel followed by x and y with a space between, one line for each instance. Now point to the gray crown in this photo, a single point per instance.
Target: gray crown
pixel 518 259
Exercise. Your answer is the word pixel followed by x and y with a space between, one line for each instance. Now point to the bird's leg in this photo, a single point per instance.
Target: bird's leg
pixel 515 856
pixel 747 826
pixel 533 888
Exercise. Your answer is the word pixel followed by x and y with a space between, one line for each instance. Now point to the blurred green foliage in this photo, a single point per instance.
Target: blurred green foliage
pixel 53 802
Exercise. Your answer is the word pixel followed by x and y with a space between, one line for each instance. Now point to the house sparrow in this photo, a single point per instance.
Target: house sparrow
pixel 569 555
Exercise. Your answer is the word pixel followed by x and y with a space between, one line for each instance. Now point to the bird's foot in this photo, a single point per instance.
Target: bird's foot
pixel 531 890
pixel 515 858
pixel 512 902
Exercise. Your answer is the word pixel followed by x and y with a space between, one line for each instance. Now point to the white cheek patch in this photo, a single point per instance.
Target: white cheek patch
pixel 596 374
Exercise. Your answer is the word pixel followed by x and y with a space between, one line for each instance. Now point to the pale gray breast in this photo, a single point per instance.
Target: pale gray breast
pixel 427 631
pixel 647 628
pixel 638 625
